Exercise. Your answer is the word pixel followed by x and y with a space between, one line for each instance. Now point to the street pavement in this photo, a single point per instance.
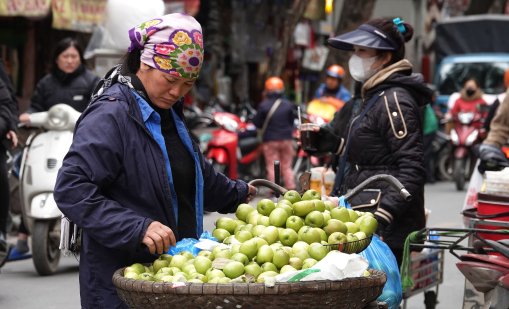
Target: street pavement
pixel 22 288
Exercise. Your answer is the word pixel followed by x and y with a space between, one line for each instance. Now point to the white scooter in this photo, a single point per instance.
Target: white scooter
pixel 42 158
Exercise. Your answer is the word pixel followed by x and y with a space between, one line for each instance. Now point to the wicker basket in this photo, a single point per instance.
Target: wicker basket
pixel 347 293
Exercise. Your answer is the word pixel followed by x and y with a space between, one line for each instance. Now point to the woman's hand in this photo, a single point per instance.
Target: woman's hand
pixel 11 135
pixel 24 118
pixel 159 238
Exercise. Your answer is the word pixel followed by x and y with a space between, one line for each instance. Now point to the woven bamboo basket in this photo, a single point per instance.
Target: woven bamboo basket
pixel 348 293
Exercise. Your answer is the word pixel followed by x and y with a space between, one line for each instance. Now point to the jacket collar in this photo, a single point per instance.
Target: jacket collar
pixel 380 76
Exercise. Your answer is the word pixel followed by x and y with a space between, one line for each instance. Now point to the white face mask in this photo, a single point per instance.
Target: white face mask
pixel 360 68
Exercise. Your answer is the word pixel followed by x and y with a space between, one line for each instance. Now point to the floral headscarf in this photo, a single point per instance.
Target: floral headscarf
pixel 172 43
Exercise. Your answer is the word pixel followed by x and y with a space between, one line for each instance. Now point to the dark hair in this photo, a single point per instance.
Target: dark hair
pixel 388 27
pixel 471 78
pixel 131 61
pixel 63 45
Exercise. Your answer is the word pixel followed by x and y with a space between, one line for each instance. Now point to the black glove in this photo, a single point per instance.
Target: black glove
pixel 492 158
pixel 328 142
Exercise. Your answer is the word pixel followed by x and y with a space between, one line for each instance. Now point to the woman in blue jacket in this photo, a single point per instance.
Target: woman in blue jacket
pixel 133 179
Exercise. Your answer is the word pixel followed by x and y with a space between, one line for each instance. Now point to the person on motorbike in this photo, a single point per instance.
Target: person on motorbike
pixel 8 112
pixel 69 82
pixel 277 124
pixel 470 100
pixel 134 180
pixel 385 136
pixel 333 85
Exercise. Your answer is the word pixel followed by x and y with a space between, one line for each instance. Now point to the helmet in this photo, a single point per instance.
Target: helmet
pixel 336 71
pixel 274 84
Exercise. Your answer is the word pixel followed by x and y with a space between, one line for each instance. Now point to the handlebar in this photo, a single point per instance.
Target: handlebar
pixel 268 184
pixel 395 183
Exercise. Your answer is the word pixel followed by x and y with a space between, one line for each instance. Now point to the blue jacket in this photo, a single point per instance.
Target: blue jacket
pixel 281 124
pixel 113 183
pixel 342 94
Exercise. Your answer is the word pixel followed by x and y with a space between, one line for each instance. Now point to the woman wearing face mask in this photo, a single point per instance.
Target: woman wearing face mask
pixel 470 100
pixel 385 135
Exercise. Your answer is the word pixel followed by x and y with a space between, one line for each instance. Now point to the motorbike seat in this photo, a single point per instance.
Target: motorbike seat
pixel 248 144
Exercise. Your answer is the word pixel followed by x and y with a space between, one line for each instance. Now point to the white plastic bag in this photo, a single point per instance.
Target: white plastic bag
pixel 474 187
pixel 334 266
pixel 122 15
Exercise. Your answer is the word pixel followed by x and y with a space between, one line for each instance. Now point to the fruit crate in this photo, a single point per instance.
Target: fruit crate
pixel 352 293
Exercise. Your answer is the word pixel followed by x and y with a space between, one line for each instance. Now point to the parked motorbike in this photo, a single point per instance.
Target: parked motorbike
pixel 442 149
pixel 466 133
pixel 41 159
pixel 234 149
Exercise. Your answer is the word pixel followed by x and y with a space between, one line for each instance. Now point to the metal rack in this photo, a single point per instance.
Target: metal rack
pixel 428 274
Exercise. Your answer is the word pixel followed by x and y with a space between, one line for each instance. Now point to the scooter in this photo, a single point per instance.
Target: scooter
pixel 466 133
pixel 41 159
pixel 234 149
pixel 489 274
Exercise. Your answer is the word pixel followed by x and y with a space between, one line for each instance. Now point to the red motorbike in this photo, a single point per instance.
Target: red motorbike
pixel 234 149
pixel 466 133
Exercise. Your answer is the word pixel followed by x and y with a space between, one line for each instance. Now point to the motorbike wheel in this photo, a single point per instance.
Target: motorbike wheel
pixel 45 246
pixel 445 165
pixel 459 173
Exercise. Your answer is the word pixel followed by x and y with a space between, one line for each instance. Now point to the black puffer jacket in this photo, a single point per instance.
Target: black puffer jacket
pixel 8 107
pixel 56 87
pixel 388 140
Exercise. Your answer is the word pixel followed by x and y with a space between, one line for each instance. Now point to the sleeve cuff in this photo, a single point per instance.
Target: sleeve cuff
pixel 341 146
pixel 383 216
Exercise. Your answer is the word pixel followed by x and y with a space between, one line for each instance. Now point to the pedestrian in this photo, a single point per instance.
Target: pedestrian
pixel 133 179
pixel 68 82
pixel 385 137
pixel 275 117
pixel 8 138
